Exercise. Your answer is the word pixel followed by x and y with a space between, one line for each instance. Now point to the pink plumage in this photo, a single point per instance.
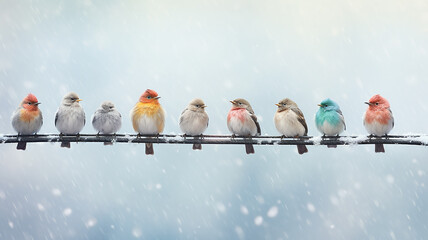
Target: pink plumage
pixel 378 119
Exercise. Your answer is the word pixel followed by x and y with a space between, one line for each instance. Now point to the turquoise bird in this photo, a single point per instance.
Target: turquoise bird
pixel 329 119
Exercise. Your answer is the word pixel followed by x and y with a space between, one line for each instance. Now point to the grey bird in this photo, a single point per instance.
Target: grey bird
pixel 70 117
pixel 194 120
pixel 107 120
pixel 290 122
pixel 27 119
pixel 242 121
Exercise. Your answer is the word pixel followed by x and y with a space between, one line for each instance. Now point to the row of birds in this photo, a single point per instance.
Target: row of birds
pixel 148 117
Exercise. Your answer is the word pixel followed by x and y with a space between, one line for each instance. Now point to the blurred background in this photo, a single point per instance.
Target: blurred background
pixel 217 50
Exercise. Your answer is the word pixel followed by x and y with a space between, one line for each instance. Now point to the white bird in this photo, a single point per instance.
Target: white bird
pixel 70 117
pixel 107 120
pixel 194 120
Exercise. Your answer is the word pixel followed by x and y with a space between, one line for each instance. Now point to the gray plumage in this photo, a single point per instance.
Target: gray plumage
pixel 70 117
pixel 107 120
pixel 26 127
pixel 194 120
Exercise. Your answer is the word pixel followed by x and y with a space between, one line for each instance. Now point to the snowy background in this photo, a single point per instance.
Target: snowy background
pixel 217 50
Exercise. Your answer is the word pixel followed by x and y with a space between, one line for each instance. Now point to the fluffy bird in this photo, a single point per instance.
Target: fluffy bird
pixel 290 122
pixel 27 119
pixel 148 116
pixel 242 121
pixel 70 117
pixel 378 119
pixel 194 120
pixel 107 120
pixel 329 119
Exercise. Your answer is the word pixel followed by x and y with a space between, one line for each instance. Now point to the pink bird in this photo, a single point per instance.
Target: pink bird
pixel 242 121
pixel 378 119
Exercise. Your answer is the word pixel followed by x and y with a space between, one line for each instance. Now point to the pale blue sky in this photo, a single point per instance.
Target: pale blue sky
pixel 216 50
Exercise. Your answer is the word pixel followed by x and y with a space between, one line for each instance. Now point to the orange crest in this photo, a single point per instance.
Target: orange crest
pixel 149 96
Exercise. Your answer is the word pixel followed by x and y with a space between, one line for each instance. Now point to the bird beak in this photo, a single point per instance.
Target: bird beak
pixel 368 103
pixel 319 105
pixel 233 102
pixel 277 104
pixel 204 106
pixel 156 97
pixel 78 100
pixel 37 103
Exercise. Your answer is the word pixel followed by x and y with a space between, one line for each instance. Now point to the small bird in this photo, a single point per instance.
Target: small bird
pixel 148 116
pixel 329 119
pixel 107 120
pixel 194 120
pixel 242 121
pixel 70 117
pixel 27 119
pixel 290 122
pixel 378 119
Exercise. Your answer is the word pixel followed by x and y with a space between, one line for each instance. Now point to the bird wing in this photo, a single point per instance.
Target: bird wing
pixel 300 118
pixel 181 117
pixel 56 118
pixel 342 119
pixel 392 117
pixel 94 118
pixel 254 117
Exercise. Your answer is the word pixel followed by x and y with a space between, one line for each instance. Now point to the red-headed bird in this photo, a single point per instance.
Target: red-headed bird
pixel 27 119
pixel 148 116
pixel 242 121
pixel 378 119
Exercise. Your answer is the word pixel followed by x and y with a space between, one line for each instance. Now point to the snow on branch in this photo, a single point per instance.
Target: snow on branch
pixel 218 139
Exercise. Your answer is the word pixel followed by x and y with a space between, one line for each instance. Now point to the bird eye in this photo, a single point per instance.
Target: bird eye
pixel 377 104
pixel 197 105
pixel 29 103
pixel 240 103
pixel 149 97
pixel 283 104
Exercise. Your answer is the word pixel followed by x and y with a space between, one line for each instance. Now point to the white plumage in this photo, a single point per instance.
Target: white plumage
pixel 287 123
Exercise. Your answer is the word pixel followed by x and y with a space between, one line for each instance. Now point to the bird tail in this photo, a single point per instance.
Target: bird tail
pixel 149 149
pixel 379 148
pixel 21 146
pixel 249 148
pixel 332 146
pixel 108 143
pixel 302 149
pixel 65 144
pixel 197 146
